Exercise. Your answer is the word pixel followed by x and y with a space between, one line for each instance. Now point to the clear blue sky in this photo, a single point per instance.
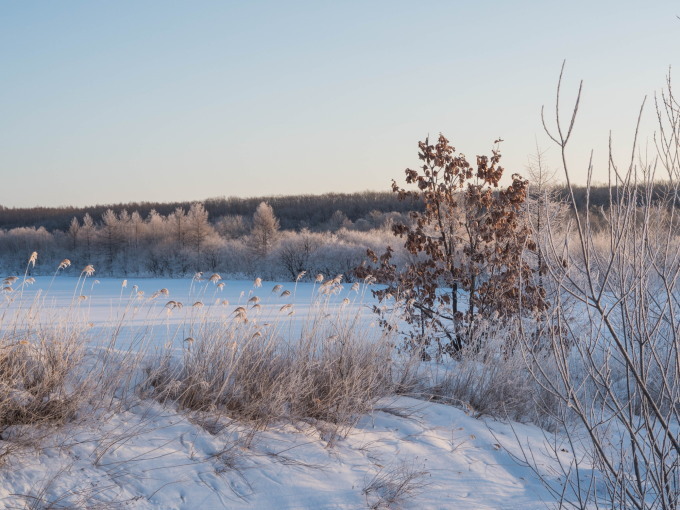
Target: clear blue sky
pixel 107 101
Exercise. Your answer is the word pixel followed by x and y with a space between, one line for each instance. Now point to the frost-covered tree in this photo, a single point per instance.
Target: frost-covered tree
pixel 73 233
pixel 110 237
pixel 265 231
pixel 233 226
pixel 155 227
pixel 88 233
pixel 295 251
pixel 135 230
pixel 337 221
pixel 198 230
pixel 177 221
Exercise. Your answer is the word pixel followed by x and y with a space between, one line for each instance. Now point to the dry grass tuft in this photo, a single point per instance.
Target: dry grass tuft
pixel 38 379
pixel 43 383
pixel 248 372
pixel 391 486
pixel 490 377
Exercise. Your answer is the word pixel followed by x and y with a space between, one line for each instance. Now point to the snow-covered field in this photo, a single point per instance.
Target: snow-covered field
pixel 166 309
pixel 406 453
pixel 170 310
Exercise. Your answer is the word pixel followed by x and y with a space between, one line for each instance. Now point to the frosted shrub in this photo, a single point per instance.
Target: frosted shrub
pixel 490 377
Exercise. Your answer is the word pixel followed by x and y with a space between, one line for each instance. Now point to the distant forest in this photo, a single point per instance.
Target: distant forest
pixel 295 212
pixel 275 237
pixel 270 237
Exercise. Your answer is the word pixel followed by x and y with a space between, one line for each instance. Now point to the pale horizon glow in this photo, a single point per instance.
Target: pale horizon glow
pixel 122 102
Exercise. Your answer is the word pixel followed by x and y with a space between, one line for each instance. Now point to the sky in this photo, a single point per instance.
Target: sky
pixel 109 102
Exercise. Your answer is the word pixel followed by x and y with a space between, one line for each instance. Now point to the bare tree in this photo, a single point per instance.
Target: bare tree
pixel 614 332
pixel 542 201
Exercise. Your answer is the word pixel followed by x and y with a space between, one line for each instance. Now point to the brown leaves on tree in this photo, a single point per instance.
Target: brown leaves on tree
pixel 471 237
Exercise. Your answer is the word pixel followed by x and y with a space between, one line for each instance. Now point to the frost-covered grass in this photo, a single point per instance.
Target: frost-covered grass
pixel 159 393
pixel 241 352
pixel 177 393
pixel 259 394
pixel 332 371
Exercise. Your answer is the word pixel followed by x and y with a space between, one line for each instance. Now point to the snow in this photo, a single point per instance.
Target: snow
pixel 152 457
pixel 406 452
pixel 109 303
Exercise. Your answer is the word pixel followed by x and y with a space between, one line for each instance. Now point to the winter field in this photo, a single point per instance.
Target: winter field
pixel 129 429
pixel 526 353
pixel 211 393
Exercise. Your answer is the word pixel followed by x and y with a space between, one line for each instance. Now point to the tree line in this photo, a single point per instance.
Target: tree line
pixel 294 212
pixel 187 240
